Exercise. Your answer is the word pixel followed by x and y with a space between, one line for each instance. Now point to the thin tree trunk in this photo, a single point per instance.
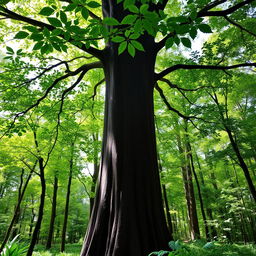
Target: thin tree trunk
pixel 41 209
pixel 189 192
pixel 207 233
pixel 167 209
pixel 53 213
pixel 32 219
pixel 65 221
pixel 17 208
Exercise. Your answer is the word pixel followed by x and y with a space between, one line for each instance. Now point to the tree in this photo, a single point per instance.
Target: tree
pixel 128 216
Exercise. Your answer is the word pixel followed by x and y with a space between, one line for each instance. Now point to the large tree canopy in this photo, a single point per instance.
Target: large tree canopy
pixel 124 38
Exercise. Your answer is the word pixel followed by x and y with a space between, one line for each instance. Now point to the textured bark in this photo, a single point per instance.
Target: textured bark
pixel 65 221
pixel 53 212
pixel 40 211
pixel 128 216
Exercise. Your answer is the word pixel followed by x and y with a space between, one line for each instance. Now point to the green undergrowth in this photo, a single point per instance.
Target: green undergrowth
pixel 187 249
pixel 201 248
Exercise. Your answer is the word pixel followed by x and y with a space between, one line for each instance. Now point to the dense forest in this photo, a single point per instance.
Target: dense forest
pixel 128 124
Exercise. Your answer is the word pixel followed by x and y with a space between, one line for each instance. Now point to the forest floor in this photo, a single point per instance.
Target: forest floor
pixel 190 249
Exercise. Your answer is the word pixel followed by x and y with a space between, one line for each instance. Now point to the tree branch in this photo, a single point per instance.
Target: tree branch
pixel 239 26
pixel 83 68
pixel 168 104
pixel 15 16
pixel 95 88
pixel 165 72
pixel 228 11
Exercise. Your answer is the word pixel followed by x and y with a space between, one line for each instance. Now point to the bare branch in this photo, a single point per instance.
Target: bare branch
pixel 64 94
pixel 95 88
pixel 165 72
pixel 168 104
pixel 171 85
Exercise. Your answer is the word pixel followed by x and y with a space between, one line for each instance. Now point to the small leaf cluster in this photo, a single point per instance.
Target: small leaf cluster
pixel 12 55
pixel 180 27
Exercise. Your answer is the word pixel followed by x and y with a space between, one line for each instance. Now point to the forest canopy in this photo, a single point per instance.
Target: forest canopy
pixel 127 124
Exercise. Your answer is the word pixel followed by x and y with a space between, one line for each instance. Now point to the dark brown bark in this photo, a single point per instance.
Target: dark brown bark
pixel 189 191
pixel 17 208
pixel 242 163
pixel 53 212
pixel 128 216
pixel 190 155
pixel 41 209
pixel 167 210
pixel 65 220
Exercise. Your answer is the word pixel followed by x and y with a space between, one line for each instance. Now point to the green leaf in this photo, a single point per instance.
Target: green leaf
pixel 54 21
pixel 122 47
pixel 143 8
pixel 56 46
pixel 70 7
pixel 129 19
pixel 46 11
pixel 138 45
pixel 169 43
pixel 134 36
pixel 186 42
pixel 205 28
pixel 31 28
pixel 85 13
pixel 63 17
pixel 176 40
pixel 117 39
pixel 133 8
pixel 110 21
pixel 193 32
pixel 93 4
pixel 56 32
pixel 21 35
pixel 19 52
pixel 131 50
pixel 9 49
pixel 46 49
pixel 46 32
pixel 38 45
pixel 36 37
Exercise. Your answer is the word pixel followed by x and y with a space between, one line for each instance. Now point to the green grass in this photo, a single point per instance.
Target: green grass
pixel 71 250
pixel 192 249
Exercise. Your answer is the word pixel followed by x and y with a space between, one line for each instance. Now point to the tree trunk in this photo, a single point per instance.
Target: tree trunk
pixel 189 192
pixel 242 163
pixel 128 216
pixel 53 213
pixel 17 208
pixel 65 221
pixel 207 233
pixel 41 209
pixel 167 209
